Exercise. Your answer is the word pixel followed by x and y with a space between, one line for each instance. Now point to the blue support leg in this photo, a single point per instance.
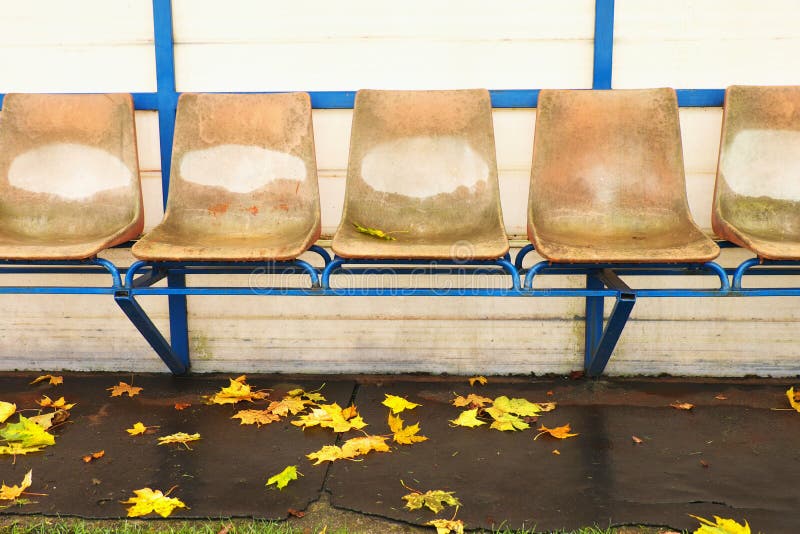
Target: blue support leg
pixel 178 323
pixel 594 319
pixel 605 339
pixel 176 363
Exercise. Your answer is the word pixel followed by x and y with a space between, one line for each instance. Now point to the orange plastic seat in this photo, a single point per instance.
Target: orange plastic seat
pixel 607 182
pixel 69 176
pixel 757 194
pixel 423 170
pixel 244 181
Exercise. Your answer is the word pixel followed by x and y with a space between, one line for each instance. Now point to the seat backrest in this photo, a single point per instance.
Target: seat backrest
pixel 68 166
pixel 244 164
pixel 605 160
pixel 422 162
pixel 758 177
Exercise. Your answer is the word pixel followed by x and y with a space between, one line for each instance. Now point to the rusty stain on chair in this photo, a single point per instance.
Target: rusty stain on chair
pixel 607 180
pixel 244 181
pixel 757 193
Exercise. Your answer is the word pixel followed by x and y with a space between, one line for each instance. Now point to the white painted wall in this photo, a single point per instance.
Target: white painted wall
pixel 247 45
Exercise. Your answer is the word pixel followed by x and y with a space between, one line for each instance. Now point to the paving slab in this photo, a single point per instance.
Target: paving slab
pixel 222 476
pixel 735 457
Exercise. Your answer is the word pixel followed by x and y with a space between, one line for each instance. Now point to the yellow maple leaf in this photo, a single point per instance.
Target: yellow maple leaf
pixel 506 421
pixel 24 436
pixel 521 407
pixel 179 437
pixel 288 404
pixel 434 500
pixel 122 388
pixel 560 432
pixel 237 391
pixel 314 396
pixel 282 479
pixel 137 429
pixel 7 409
pixel 720 526
pixel 53 380
pixel 468 418
pixel 146 500
pixel 60 404
pixel 350 449
pixel 404 435
pixel 794 402
pixel 476 401
pixel 256 417
pixel 398 404
pixel 447 526
pixel 479 379
pixel 13 449
pixel 331 416
pixel 47 420
pixel 9 493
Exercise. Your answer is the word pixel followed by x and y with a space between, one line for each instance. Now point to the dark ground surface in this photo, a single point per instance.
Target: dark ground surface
pixel 736 458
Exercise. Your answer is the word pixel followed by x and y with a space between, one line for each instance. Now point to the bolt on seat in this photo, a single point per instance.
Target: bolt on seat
pixel 423 170
pixel 243 184
pixel 69 176
pixel 607 181
pixel 757 193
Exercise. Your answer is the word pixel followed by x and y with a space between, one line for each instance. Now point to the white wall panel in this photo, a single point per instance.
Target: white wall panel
pixel 316 45
pixel 81 45
pixel 706 43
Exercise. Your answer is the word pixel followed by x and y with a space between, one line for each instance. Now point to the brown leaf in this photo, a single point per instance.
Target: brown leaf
pixel 181 405
pixel 93 456
pixel 560 432
pixel 122 388
pixel 549 393
pixel 556 452
pixel 704 464
pixel 682 405
pixel 295 513
pixel 721 397
pixel 636 440
pixel 576 375
pixel 225 530
pixel 52 380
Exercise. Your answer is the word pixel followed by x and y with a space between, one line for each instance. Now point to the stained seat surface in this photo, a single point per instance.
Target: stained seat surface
pixel 757 193
pixel 422 169
pixel 607 180
pixel 243 184
pixel 69 176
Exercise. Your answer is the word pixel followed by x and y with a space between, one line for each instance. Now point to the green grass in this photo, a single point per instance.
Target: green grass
pixel 77 526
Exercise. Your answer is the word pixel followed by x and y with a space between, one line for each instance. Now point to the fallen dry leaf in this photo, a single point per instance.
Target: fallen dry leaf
pixel 314 396
pixel 398 404
pixel 682 405
pixel 93 456
pixel 52 380
pixel 122 388
pixel 479 379
pixel 560 432
pixel 794 402
pixel 181 405
pixel 7 409
pixel 24 437
pixel 472 400
pixel 146 500
pixel 331 416
pixel 59 404
pixel 294 405
pixel 556 452
pixel 138 429
pixel 255 417
pixel 549 393
pixel 282 479
pixel 434 500
pixel 468 418
pixel 47 420
pixel 374 232
pixel 720 526
pixel 636 440
pixel 9 493
pixel 350 449
pixel 447 526
pixel 704 464
pixel 721 397
pixel 237 391
pixel 295 513
pixel 404 435
pixel 179 437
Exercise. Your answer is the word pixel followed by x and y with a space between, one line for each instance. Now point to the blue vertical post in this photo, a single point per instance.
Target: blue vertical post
pixel 167 105
pixel 594 319
pixel 603 43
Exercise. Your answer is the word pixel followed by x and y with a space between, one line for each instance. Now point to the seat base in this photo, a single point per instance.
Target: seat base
pixel 767 247
pixel 488 244
pixel 14 247
pixel 686 246
pixel 169 244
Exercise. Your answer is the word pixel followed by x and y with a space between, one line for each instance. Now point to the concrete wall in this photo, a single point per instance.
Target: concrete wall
pixel 252 45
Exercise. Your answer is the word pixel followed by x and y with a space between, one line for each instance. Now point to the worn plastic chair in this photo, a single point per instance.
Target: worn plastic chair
pixel 69 177
pixel 757 194
pixel 423 170
pixel 607 183
pixel 244 181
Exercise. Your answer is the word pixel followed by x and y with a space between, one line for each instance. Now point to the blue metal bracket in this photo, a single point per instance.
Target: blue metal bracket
pixel 600 341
